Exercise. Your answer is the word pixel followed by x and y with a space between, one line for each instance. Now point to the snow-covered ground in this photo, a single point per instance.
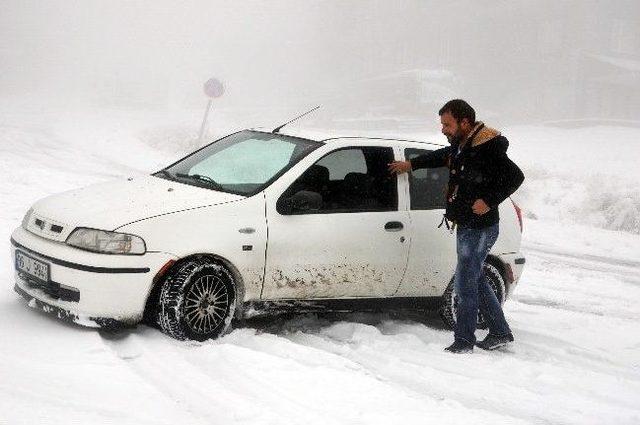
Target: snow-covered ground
pixel 575 314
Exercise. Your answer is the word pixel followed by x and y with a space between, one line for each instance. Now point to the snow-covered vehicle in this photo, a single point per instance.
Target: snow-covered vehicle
pixel 252 223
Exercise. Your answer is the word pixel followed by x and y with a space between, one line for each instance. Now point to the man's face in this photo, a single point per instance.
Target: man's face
pixel 452 128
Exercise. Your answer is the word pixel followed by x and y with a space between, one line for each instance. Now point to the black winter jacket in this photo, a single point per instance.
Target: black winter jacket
pixel 481 170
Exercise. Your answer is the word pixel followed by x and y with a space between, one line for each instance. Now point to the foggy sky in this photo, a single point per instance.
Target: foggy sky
pixel 520 61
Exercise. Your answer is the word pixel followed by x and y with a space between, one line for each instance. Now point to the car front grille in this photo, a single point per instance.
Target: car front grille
pixel 53 289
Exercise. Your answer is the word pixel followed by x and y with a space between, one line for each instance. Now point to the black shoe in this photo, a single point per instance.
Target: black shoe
pixel 460 347
pixel 491 342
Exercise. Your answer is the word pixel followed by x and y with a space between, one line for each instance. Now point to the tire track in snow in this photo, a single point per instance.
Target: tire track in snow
pixel 627 270
pixel 171 377
pixel 414 369
pixel 207 398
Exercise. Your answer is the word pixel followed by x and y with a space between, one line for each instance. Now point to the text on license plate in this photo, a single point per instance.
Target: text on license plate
pixel 32 267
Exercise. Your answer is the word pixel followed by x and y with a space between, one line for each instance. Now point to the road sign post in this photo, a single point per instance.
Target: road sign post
pixel 213 88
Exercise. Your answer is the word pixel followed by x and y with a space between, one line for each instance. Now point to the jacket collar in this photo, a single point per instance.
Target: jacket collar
pixel 481 134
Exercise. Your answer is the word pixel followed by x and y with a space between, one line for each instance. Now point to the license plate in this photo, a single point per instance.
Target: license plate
pixel 32 267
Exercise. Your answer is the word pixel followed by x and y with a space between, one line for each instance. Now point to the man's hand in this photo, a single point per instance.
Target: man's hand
pixel 480 207
pixel 399 167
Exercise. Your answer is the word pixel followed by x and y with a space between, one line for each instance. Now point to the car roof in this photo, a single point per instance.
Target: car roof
pixel 330 136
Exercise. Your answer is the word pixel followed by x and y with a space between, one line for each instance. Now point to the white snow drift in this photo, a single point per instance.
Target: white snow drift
pixel 574 314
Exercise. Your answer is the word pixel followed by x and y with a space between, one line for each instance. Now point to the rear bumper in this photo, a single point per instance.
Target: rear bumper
pixel 514 265
pixel 87 288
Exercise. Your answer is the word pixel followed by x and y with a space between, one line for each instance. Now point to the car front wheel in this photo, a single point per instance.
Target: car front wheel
pixel 197 300
pixel 449 299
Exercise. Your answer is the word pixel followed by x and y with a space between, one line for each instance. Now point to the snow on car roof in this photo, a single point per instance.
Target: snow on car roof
pixel 328 135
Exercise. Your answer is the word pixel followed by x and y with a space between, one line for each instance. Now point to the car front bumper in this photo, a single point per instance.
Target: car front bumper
pixel 87 288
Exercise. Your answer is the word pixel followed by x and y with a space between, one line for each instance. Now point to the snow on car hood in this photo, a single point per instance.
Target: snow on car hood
pixel 115 203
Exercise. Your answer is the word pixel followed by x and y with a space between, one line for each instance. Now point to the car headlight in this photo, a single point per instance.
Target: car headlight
pixel 106 242
pixel 26 218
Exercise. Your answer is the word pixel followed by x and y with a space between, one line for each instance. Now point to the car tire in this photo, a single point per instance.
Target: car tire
pixel 448 302
pixel 197 300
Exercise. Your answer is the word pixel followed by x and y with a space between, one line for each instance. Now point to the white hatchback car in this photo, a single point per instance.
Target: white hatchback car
pixel 253 223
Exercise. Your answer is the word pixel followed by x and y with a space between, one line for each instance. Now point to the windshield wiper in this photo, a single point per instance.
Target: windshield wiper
pixel 201 178
pixel 166 174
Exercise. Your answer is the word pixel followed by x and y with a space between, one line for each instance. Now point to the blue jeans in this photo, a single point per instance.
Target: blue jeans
pixel 471 286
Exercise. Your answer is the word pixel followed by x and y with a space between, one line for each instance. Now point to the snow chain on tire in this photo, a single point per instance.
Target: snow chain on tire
pixel 497 283
pixel 182 281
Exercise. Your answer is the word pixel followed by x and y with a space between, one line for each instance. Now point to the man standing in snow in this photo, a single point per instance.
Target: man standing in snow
pixel 481 176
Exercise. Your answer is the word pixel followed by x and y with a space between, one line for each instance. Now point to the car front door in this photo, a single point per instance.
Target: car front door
pixel 354 245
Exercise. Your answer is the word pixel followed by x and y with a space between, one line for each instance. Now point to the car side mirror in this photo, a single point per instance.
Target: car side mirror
pixel 301 201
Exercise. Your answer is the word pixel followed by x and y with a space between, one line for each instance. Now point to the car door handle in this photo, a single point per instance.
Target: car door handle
pixel 393 226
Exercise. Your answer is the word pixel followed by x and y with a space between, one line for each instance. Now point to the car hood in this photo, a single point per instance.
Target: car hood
pixel 115 203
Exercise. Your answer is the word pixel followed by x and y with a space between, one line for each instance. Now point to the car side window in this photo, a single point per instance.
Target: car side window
pixel 427 186
pixel 351 180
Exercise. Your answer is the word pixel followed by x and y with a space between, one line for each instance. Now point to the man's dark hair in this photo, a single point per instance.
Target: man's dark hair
pixel 459 109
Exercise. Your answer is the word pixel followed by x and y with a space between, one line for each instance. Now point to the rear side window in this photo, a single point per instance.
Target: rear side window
pixel 427 186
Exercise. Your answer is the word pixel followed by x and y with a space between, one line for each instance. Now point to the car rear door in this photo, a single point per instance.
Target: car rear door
pixel 432 257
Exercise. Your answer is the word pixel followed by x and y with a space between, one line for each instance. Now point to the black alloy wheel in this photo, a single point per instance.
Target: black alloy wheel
pixel 197 300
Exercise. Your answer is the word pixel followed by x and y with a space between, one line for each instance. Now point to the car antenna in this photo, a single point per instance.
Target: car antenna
pixel 277 129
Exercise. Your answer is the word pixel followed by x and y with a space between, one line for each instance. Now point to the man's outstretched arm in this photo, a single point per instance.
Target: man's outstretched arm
pixel 434 159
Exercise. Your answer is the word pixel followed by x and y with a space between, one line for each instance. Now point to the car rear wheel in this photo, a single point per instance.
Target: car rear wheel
pixel 450 302
pixel 197 300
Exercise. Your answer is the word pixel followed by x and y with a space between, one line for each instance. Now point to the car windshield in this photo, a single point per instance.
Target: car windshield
pixel 243 163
